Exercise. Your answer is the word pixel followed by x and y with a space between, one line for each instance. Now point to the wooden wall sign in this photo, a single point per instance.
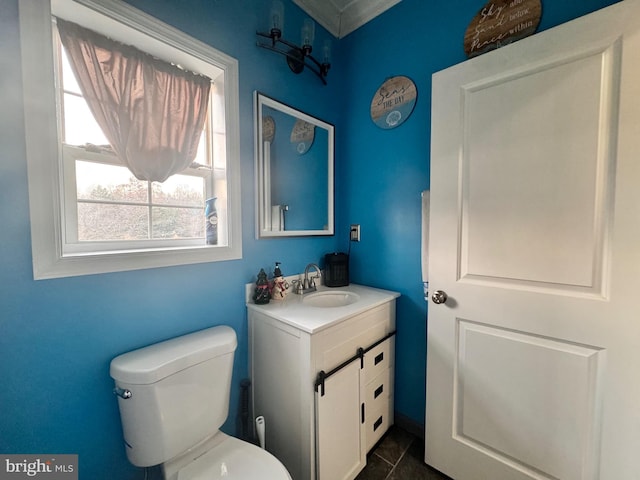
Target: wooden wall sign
pixel 393 102
pixel 302 136
pixel 501 22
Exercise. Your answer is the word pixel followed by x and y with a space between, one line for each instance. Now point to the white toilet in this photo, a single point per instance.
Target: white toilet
pixel 173 398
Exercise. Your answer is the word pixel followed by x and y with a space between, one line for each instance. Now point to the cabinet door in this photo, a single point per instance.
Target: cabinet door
pixel 339 428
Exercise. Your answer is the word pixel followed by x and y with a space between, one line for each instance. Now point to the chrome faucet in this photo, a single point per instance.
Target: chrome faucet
pixel 309 283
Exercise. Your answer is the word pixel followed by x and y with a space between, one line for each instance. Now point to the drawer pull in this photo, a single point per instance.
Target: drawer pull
pixel 378 358
pixel 378 391
pixel 377 424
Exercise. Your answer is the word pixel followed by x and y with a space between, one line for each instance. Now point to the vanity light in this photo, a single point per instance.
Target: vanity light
pixel 297 57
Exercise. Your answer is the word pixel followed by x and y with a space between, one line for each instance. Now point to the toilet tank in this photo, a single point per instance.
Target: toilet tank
pixel 179 393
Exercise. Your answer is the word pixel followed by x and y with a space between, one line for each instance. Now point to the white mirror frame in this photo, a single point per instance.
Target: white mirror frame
pixel 264 220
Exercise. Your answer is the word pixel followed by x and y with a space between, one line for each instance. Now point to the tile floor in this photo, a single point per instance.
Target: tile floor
pixel 399 456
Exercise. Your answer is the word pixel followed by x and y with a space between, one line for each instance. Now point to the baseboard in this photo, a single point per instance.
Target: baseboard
pixel 409 425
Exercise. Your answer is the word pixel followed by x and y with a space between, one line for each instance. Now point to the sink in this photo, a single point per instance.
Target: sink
pixel 330 299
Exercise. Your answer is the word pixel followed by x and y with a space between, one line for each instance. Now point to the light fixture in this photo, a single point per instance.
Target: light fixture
pixel 297 57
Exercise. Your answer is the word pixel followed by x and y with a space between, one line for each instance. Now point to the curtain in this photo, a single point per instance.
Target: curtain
pixel 152 112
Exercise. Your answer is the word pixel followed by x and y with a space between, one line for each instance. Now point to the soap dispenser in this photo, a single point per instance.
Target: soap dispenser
pixel 280 285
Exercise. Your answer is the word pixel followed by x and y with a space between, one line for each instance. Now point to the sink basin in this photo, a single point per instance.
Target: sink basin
pixel 330 299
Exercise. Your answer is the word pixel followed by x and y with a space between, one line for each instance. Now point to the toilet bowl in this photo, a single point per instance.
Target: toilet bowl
pixel 232 458
pixel 173 397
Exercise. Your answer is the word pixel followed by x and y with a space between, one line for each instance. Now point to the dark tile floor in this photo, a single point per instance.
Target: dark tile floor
pixel 399 456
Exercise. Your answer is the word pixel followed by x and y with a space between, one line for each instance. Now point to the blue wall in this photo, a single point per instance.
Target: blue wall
pixel 58 336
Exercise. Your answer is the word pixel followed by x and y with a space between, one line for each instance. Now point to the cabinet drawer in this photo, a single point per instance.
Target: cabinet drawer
pixel 378 390
pixel 376 424
pixel 341 342
pixel 379 359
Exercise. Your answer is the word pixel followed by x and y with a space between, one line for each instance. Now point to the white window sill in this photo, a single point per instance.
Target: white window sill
pixel 90 263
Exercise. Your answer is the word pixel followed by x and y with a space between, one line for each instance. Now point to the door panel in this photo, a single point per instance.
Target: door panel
pixel 556 211
pixel 498 379
pixel 534 236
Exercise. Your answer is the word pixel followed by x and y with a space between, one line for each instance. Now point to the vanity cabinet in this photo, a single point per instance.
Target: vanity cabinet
pixel 323 429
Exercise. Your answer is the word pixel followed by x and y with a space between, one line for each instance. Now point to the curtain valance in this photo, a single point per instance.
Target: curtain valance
pixel 152 112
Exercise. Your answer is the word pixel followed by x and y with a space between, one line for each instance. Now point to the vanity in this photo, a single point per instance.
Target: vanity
pixel 321 363
pixel 321 367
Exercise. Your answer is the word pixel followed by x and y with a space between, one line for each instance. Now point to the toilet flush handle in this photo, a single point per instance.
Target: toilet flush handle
pixel 122 392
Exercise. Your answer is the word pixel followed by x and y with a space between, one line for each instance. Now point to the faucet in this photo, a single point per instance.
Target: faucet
pixel 309 283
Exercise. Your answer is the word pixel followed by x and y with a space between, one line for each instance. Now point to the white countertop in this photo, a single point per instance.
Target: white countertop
pixel 294 312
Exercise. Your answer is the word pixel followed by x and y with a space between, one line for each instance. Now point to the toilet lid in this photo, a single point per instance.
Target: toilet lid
pixel 234 459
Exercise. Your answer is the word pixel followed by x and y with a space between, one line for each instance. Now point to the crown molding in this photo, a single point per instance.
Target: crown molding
pixel 340 20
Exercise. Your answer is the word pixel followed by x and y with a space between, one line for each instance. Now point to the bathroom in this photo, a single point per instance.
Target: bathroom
pixel 57 336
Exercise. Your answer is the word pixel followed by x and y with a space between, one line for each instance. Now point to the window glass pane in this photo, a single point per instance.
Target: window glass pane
pixel 170 222
pixel 217 108
pixel 79 125
pixel 69 82
pixel 202 156
pixel 184 190
pixel 101 222
pixel 98 181
pixel 219 151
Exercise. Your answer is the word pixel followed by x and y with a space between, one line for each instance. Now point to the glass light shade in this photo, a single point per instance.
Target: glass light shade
pixel 276 15
pixel 326 51
pixel 308 32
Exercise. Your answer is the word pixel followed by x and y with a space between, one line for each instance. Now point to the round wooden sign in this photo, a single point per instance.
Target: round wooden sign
pixel 268 128
pixel 393 102
pixel 302 136
pixel 501 22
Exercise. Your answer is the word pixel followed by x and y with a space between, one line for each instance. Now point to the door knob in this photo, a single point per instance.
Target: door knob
pixel 439 297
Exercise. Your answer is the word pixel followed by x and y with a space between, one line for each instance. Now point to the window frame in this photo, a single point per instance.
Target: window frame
pixel 45 177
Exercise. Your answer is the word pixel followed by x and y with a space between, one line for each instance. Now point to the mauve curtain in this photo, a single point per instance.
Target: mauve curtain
pixel 151 112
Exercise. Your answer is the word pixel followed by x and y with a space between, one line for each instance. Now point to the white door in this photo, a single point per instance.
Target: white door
pixel 533 362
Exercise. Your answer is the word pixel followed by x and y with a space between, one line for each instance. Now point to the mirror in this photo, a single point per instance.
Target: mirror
pixel 294 171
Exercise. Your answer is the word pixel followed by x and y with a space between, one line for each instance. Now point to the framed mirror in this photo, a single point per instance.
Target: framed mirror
pixel 294 171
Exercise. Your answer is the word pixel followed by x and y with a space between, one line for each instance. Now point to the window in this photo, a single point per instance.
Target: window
pixel 89 213
pixel 105 202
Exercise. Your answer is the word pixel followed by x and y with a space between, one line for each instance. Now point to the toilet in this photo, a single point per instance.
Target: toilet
pixel 173 397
